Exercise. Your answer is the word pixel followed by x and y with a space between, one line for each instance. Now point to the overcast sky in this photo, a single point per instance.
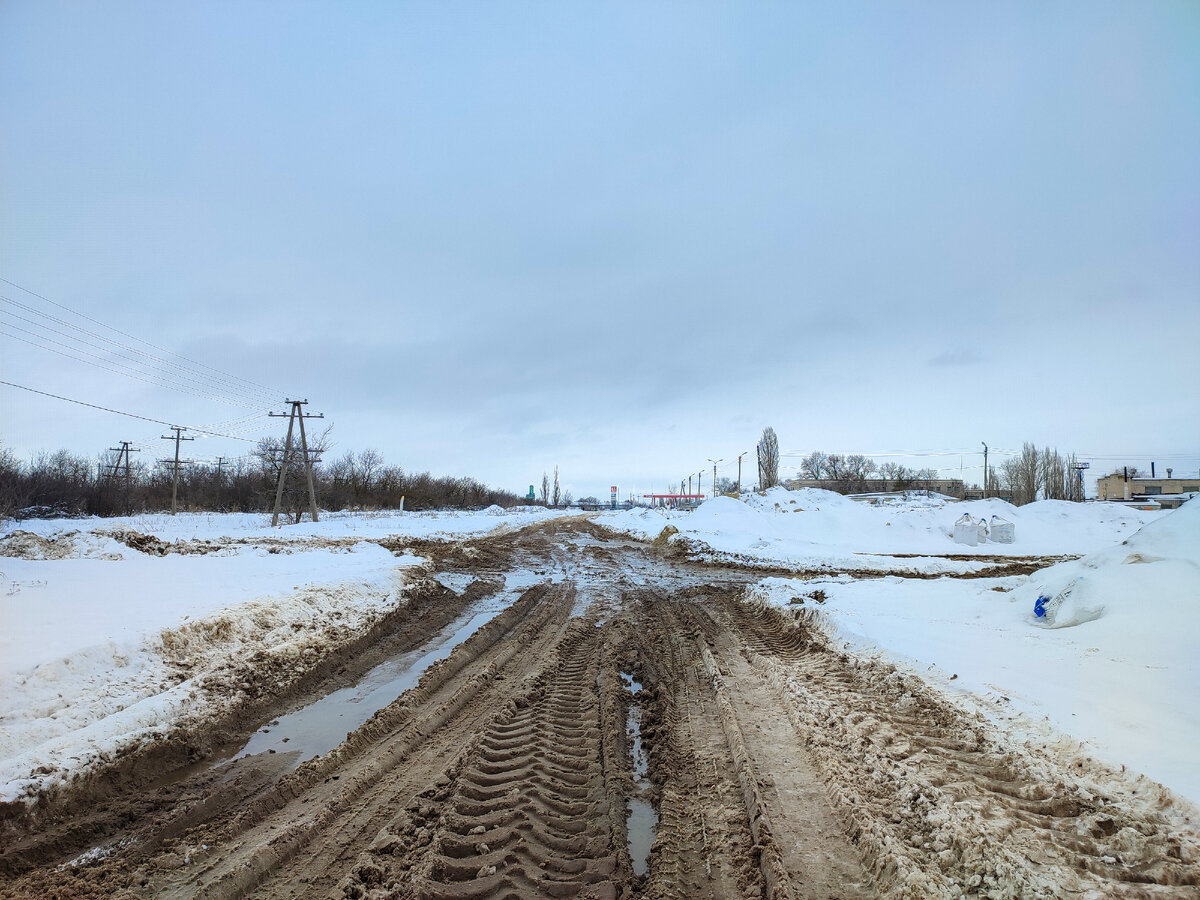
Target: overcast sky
pixel 490 238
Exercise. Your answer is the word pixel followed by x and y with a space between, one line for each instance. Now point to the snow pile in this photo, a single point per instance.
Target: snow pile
pixel 1149 579
pixel 435 524
pixel 1116 667
pixel 822 529
pixel 100 653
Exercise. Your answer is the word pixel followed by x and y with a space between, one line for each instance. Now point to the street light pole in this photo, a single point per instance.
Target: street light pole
pixel 714 462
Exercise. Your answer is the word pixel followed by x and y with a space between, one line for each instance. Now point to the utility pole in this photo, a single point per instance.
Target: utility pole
pixel 1079 469
pixel 740 455
pixel 985 470
pixel 296 414
pixel 689 485
pixel 176 437
pixel 122 453
pixel 220 465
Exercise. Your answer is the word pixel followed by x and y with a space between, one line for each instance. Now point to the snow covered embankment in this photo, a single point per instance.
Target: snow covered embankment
pixel 101 655
pixel 820 530
pixel 1115 664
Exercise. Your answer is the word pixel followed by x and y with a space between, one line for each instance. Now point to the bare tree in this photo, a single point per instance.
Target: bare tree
pixel 768 459
pixel 556 496
pixel 814 465
pixel 545 492
pixel 1044 474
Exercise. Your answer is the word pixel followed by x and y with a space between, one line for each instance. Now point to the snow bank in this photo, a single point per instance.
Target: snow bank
pixel 97 653
pixel 818 528
pixel 333 525
pixel 1118 669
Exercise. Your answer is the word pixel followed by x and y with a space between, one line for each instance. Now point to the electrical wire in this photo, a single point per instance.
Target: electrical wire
pixel 122 370
pixel 122 412
pixel 199 377
pixel 270 391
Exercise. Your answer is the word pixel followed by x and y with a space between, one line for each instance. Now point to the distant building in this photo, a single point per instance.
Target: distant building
pixel 1115 487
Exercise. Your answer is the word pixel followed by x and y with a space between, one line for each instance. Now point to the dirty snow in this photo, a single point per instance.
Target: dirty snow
pixel 1116 668
pixel 102 646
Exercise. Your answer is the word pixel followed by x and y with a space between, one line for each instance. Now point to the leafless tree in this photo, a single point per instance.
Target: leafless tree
pixel 545 492
pixel 556 496
pixel 768 459
pixel 814 465
pixel 1039 474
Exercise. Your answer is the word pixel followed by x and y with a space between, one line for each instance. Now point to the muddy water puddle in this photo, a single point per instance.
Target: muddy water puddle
pixel 322 725
pixel 642 820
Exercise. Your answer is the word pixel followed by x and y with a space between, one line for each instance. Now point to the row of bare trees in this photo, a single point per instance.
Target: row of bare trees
pixel 854 472
pixel 66 484
pixel 1036 474
pixel 552 493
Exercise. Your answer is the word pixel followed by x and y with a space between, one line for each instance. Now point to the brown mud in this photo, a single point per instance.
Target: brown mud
pixel 778 766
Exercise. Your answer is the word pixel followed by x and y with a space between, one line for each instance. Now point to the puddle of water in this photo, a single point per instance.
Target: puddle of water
pixel 455 581
pixel 641 821
pixel 323 724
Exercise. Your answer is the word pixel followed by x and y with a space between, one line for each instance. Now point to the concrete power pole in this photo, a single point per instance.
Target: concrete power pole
pixel 985 470
pixel 176 437
pixel 740 455
pixel 122 454
pixel 296 414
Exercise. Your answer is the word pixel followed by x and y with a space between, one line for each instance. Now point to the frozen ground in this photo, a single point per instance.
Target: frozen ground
pixel 102 644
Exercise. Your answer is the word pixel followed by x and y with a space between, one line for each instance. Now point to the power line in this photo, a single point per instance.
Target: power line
pixel 191 374
pixel 106 365
pixel 122 412
pixel 270 391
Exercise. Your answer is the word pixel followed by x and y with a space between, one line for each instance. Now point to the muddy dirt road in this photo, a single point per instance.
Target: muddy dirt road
pixel 605 720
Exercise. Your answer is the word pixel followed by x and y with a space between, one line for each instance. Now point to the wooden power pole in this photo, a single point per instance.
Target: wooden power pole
pixel 176 437
pixel 296 414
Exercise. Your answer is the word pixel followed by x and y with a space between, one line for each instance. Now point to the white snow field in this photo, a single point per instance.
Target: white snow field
pixel 815 529
pixel 92 632
pixel 1115 663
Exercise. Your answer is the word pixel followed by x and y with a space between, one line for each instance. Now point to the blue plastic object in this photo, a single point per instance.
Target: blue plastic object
pixel 1039 606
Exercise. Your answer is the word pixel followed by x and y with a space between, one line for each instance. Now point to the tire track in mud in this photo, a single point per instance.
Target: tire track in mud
pixel 531 810
pixel 795 838
pixel 704 845
pixel 163 777
pixel 322 802
pixel 937 803
pixel 401 749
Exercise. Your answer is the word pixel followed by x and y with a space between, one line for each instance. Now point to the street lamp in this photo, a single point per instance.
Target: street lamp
pixel 714 462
